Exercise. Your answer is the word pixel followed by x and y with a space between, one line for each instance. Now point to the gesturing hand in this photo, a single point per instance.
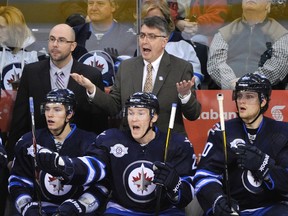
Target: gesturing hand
pixel 184 87
pixel 83 81
pixel 54 164
pixel 253 159
pixel 166 175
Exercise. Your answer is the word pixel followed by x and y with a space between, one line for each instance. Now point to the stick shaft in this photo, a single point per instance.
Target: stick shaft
pixel 31 105
pixel 159 188
pixel 220 99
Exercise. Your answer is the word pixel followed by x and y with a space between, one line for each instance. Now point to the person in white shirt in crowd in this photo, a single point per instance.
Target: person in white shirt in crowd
pixel 15 37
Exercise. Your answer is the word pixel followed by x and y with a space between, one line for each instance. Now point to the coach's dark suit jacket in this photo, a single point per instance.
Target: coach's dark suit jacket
pixel 129 80
pixel 35 82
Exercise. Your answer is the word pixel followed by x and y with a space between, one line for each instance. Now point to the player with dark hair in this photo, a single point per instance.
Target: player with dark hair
pixel 48 191
pixel 131 161
pixel 257 148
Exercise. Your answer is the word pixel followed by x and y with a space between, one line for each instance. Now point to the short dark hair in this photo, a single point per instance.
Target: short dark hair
pixel 157 22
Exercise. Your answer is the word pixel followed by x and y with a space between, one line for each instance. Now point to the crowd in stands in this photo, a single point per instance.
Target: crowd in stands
pixel 113 57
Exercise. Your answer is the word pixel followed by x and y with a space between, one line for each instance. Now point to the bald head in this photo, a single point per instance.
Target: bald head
pixel 63 30
pixel 61 44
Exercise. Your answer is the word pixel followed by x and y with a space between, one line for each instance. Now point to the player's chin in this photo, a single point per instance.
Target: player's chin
pixel 54 130
pixel 136 134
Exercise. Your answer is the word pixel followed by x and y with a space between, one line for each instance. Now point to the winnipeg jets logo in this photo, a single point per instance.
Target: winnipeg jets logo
pixel 138 181
pixel 11 74
pixel 96 60
pixel 142 180
pixel 118 150
pixel 54 186
pixel 102 61
pixel 250 183
pixel 55 183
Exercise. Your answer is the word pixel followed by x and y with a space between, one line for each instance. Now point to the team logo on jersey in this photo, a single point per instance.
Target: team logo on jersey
pixel 53 188
pixel 250 183
pixel 138 184
pixel 103 62
pixel 118 150
pixel 235 142
pixel 11 74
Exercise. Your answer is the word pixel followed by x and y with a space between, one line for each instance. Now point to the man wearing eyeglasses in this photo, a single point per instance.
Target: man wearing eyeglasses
pixel 40 78
pixel 172 80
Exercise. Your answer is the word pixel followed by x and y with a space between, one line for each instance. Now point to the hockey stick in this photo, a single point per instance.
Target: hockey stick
pixel 220 98
pixel 37 185
pixel 171 125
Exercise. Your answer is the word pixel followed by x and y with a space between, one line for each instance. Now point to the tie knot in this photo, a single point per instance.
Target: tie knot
pixel 59 73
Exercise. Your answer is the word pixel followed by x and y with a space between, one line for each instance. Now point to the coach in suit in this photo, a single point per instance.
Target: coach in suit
pixel 39 78
pixel 171 77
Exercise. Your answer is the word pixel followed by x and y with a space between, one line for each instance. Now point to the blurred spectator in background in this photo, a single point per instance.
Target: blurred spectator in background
pixel 198 20
pixel 202 20
pixel 70 7
pixel 104 32
pixel 75 19
pixel 15 37
pixel 176 45
pixel 279 11
pixel 123 14
pixel 206 17
pixel 253 42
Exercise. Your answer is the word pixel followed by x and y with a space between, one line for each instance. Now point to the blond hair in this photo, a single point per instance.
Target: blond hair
pixel 162 5
pixel 18 31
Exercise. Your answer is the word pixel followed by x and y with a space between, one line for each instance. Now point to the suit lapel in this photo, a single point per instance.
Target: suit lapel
pixel 137 76
pixel 163 71
pixel 44 75
pixel 72 84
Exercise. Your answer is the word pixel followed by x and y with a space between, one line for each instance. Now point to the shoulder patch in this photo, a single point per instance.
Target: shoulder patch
pixel 118 150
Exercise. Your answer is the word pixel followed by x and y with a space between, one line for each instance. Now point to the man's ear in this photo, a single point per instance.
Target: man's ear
pixel 69 116
pixel 155 118
pixel 263 103
pixel 73 46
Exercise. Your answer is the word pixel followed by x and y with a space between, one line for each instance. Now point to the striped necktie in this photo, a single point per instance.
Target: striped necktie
pixel 148 86
pixel 60 80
